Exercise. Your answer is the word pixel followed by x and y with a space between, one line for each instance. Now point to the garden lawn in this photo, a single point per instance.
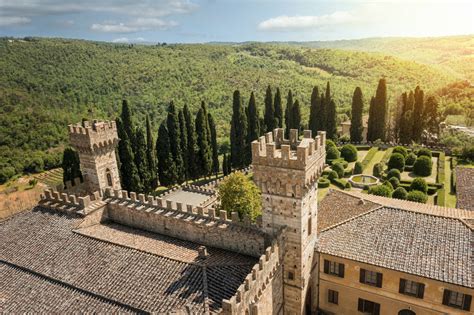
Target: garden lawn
pixel 429 179
pixel 360 156
pixel 376 159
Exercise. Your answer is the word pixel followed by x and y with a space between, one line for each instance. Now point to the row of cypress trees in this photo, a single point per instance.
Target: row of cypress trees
pixel 186 148
pixel 322 114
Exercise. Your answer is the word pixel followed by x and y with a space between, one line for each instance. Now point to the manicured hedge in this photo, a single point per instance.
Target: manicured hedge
pixel 441 197
pixel 441 169
pixel 425 152
pixel 410 159
pixel 377 170
pixel 423 166
pixel 417 196
pixel 394 173
pixel 419 184
pixel 341 183
pixel 396 161
pixel 400 193
pixel 394 181
pixel 358 168
pixel 323 183
pixel 332 153
pixel 349 153
pixel 339 169
pixel 403 151
pixel 363 147
pixel 368 157
pixel 380 190
pixel 408 168
pixel 341 161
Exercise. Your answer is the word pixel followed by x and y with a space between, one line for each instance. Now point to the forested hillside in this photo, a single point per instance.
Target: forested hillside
pixel 46 84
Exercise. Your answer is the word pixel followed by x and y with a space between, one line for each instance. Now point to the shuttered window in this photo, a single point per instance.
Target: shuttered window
pixel 334 268
pixel 368 307
pixel 371 278
pixel 333 297
pixel 412 288
pixel 457 300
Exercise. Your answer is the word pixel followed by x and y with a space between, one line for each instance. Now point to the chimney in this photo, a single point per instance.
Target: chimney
pixel 202 252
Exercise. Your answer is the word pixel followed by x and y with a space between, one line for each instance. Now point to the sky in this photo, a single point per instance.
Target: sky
pixel 194 21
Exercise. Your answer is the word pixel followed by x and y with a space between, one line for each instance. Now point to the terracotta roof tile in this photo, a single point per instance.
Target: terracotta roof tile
pixel 465 188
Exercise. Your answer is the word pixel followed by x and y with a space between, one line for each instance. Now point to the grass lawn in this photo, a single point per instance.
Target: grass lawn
pixel 429 179
pixel 450 200
pixel 360 156
pixel 376 159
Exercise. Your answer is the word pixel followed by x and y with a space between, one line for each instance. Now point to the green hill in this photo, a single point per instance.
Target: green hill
pixel 46 84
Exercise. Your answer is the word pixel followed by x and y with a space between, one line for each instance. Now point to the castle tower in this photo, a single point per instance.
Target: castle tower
pixel 287 172
pixel 96 144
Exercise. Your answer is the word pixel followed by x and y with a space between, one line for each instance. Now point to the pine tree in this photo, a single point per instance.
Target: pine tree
pixel 172 124
pixel 238 132
pixel 128 170
pixel 296 116
pixel 288 113
pixel 331 125
pixel 269 115
pixel 166 166
pixel 141 161
pixel 191 149
pixel 184 143
pixel 314 123
pixel 126 117
pixel 356 121
pixel 215 151
pixel 150 156
pixel 71 165
pixel 278 110
pixel 204 156
pixel 253 127
pixel 418 123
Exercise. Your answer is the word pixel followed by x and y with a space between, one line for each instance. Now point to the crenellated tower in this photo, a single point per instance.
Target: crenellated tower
pixel 96 142
pixel 287 172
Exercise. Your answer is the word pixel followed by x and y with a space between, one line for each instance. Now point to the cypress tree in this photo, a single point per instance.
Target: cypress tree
pixel 288 113
pixel 322 113
pixel 381 111
pixel 166 165
pixel 128 170
pixel 215 152
pixel 184 143
pixel 278 110
pixel 141 161
pixel 314 123
pixel 356 114
pixel 150 156
pixel 253 127
pixel 71 165
pixel 224 164
pixel 296 116
pixel 418 123
pixel 331 127
pixel 172 124
pixel 126 117
pixel 371 122
pixel 238 132
pixel 430 115
pixel 191 149
pixel 269 116
pixel 406 123
pixel 204 155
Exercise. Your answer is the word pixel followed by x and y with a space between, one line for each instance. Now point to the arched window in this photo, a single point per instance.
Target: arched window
pixel 109 178
pixel 406 312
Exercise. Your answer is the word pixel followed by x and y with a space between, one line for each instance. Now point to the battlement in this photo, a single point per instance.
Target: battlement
pixel 91 136
pixel 69 203
pixel 273 149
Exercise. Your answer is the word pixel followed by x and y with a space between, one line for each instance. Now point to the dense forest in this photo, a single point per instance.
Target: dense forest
pixel 46 84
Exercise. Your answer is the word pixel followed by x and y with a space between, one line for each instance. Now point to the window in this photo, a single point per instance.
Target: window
pixel 457 299
pixel 310 225
pixel 369 307
pixel 412 288
pixel 109 178
pixel 371 278
pixel 333 297
pixel 291 275
pixel 333 268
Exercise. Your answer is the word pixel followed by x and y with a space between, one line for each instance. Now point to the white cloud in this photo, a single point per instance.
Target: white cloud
pixel 13 20
pixel 137 25
pixel 292 23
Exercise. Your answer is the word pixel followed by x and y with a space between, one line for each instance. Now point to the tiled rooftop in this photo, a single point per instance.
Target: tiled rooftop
pixel 43 243
pixel 465 188
pixel 417 242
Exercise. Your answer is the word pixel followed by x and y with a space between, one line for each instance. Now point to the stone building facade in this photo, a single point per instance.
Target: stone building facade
pixel 118 251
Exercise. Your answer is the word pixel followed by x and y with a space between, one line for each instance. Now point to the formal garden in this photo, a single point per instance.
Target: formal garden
pixel 416 174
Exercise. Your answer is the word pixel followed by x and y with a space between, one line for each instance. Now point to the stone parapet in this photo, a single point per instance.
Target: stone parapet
pixel 70 203
pixel 92 136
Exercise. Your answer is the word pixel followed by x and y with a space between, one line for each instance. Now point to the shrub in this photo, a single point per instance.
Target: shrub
pixel 400 193
pixel 423 166
pixel 467 153
pixel 348 186
pixel 380 190
pixel 332 153
pixel 411 158
pixel 388 184
pixel 345 139
pixel 349 153
pixel 357 168
pixel 417 196
pixel 340 161
pixel 377 170
pixel 396 161
pixel 323 182
pixel 6 173
pixel 394 181
pixel 394 173
pixel 424 152
pixel 340 183
pixel 33 182
pixel 330 144
pixel 401 150
pixel 339 169
pixel 332 175
pixel 419 184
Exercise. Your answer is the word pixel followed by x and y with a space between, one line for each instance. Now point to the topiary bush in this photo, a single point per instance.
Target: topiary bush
pixel 396 161
pixel 332 153
pixel 424 152
pixel 339 169
pixel 330 144
pixel 341 161
pixel 400 193
pixel 358 168
pixel 423 166
pixel 348 186
pixel 403 151
pixel 417 196
pixel 411 158
pixel 332 175
pixel 394 181
pixel 394 173
pixel 323 182
pixel 377 170
pixel 349 153
pixel 380 190
pixel 388 184
pixel 419 184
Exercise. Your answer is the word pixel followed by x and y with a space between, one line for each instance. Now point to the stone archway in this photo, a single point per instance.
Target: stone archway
pixel 406 312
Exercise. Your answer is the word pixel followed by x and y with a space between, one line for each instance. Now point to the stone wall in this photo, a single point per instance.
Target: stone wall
pixel 186 222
